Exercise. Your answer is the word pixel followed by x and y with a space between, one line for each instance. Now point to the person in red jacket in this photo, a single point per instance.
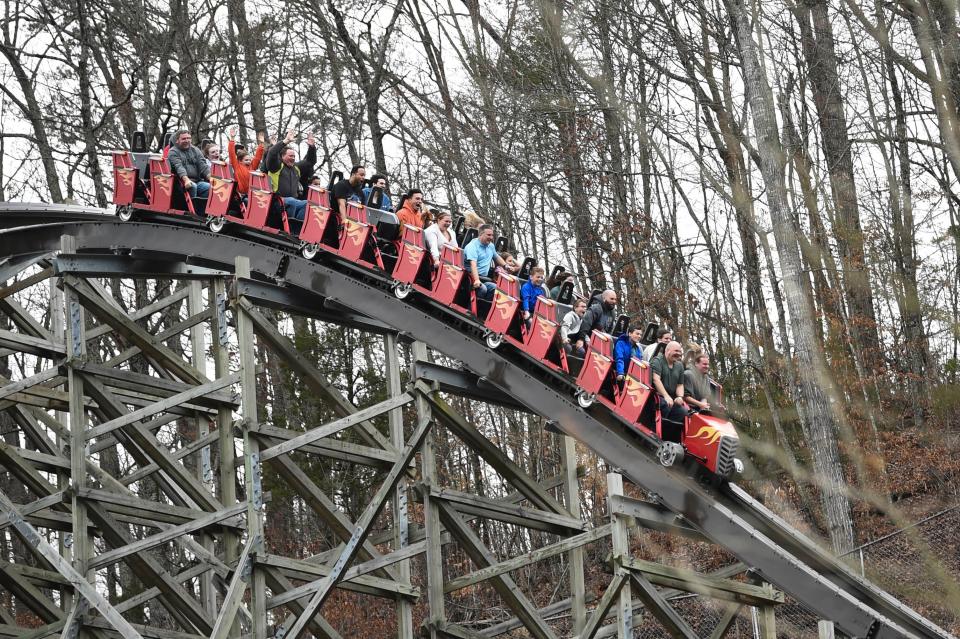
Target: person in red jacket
pixel 242 162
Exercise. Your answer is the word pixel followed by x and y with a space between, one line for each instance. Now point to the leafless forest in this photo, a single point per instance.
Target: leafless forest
pixel 777 181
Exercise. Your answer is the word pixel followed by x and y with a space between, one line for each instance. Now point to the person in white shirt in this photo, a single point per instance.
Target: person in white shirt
pixel 438 234
pixel 570 327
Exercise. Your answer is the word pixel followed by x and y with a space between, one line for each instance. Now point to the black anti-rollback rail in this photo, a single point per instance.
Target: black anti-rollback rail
pixel 726 515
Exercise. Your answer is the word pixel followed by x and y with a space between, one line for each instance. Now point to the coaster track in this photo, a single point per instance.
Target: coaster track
pixel 725 514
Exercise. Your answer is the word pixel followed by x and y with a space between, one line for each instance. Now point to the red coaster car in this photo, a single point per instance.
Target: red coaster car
pixel 505 321
pixel 265 210
pixel 321 227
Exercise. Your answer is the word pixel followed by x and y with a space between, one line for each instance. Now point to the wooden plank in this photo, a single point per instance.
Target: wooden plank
pixel 511 513
pixel 603 606
pixel 236 590
pixel 528 558
pixel 335 448
pixel 280 584
pixel 362 529
pixel 726 621
pixel 672 622
pixel 335 426
pixel 504 585
pixel 162 405
pixel 653 517
pixel 27 282
pixel 690 581
pixel 490 453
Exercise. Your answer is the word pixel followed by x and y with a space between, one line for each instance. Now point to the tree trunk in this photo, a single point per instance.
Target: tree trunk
pixel 813 403
pixel 821 59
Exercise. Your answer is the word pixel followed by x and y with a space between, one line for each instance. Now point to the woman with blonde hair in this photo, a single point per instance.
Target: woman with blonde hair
pixel 472 221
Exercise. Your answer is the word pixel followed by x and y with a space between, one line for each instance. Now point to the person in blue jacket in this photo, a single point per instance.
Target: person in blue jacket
pixel 628 345
pixel 530 291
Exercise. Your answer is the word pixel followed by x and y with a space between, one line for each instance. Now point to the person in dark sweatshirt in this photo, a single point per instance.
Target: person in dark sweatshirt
pixel 598 317
pixel 627 346
pixel 285 173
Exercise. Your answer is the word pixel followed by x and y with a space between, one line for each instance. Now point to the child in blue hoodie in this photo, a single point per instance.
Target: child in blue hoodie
pixel 530 291
pixel 628 345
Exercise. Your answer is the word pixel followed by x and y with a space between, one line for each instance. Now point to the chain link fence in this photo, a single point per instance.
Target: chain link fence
pixel 918 565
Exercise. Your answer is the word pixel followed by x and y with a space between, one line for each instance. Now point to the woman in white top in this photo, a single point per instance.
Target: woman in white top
pixel 438 234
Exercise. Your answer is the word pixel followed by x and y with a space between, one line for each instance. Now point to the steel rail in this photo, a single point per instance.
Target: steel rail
pixel 726 515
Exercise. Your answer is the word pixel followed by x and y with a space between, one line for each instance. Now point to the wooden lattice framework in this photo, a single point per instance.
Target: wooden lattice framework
pixel 73 518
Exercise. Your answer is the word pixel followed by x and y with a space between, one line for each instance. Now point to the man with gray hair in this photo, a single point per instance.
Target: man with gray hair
pixel 668 382
pixel 189 165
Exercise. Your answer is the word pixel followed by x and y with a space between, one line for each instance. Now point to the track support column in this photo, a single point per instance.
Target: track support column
pixel 571 493
pixel 253 473
pixel 78 542
pixel 198 350
pixel 437 615
pixel 225 440
pixel 400 519
pixel 620 542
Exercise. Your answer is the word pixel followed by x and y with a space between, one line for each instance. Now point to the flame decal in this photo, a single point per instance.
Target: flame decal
pixel 164 185
pixel 317 216
pixel 503 304
pixel 354 232
pixel 413 254
pixel 633 388
pixel 708 433
pixel 263 199
pixel 451 272
pixel 126 177
pixel 221 189
pixel 599 364
pixel 546 329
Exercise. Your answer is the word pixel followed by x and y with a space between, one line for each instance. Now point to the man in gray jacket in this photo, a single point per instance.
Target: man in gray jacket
pixel 189 165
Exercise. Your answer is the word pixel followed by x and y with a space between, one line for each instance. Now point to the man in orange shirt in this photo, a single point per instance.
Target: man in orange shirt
pixel 242 162
pixel 410 212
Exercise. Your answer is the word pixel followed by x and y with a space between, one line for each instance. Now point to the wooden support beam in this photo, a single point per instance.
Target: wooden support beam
pixel 132 331
pixel 492 454
pixel 318 625
pixel 690 581
pixel 175 598
pixel 362 529
pixel 162 405
pixel 509 565
pixel 672 622
pixel 141 545
pixel 26 282
pixel 610 595
pixel 28 594
pixel 726 622
pixel 84 588
pixel 238 586
pixel 767 622
pixel 314 573
pixel 324 507
pixel 22 343
pixel 510 513
pixel 653 516
pixel 140 436
pixel 333 448
pixel 503 584
pixel 308 373
pixel 335 426
pixel 620 547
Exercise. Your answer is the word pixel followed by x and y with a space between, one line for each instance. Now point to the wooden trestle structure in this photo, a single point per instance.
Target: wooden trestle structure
pixel 71 518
